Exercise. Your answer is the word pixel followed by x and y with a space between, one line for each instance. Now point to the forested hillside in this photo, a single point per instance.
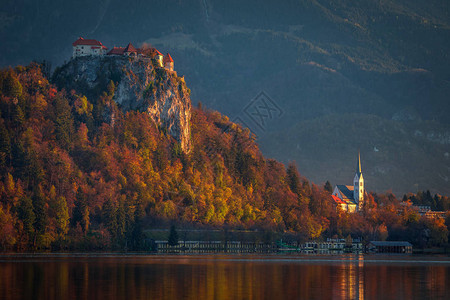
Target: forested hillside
pixel 71 180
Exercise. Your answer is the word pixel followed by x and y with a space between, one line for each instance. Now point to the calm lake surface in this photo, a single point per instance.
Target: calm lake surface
pixel 115 276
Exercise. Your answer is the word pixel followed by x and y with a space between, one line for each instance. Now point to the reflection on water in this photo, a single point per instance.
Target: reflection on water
pixel 223 277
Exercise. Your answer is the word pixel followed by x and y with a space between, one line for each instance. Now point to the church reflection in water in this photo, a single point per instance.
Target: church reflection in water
pixel 220 277
pixel 350 284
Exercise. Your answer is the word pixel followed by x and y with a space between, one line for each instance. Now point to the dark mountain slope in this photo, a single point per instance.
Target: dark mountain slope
pixel 312 57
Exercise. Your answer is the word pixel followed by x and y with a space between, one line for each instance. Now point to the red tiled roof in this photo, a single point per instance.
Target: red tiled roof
pixel 130 48
pixel 167 58
pixel 84 42
pixel 152 52
pixel 337 199
pixel 116 51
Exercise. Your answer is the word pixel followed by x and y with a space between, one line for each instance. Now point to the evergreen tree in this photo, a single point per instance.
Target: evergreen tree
pixel 26 215
pixel 129 220
pixel 80 214
pixel 327 187
pixel 294 179
pixel 35 170
pixel 85 220
pixel 110 217
pixel 111 89
pixel 61 216
pixel 173 236
pixel 161 157
pixel 40 223
pixel 19 160
pixel 63 123
pixel 301 189
pixel 137 235
pixel 5 146
pixel 11 87
pixel 18 117
pixel 121 223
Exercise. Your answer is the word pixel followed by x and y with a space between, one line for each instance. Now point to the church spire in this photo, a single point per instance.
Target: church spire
pixel 358 164
pixel 358 185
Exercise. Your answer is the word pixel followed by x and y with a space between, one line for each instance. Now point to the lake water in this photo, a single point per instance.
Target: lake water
pixel 115 276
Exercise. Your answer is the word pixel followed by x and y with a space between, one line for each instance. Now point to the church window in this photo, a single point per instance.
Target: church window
pixel 360 183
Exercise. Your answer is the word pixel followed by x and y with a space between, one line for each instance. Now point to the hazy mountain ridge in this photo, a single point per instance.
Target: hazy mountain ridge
pixel 387 146
pixel 314 58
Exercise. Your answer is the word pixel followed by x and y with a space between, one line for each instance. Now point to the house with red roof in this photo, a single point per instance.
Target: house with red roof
pixel 159 57
pixel 116 51
pixel 85 47
pixel 130 50
pixel 168 62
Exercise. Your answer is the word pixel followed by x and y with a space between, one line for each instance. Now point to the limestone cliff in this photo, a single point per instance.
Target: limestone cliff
pixel 140 85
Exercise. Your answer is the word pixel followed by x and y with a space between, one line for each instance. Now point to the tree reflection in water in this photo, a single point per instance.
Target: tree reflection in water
pixel 221 277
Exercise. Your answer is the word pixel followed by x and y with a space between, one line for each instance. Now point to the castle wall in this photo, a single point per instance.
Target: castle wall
pixel 85 50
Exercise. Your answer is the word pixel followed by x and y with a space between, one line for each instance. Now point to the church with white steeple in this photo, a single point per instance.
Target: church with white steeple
pixel 350 198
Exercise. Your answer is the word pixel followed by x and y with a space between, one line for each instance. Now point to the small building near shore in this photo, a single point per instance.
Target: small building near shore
pixel 389 247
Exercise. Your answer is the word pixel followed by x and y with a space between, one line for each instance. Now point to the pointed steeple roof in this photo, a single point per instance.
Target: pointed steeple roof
pixel 358 164
pixel 168 58
pixel 130 48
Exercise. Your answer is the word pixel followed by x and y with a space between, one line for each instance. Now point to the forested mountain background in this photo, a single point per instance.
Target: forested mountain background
pixel 343 75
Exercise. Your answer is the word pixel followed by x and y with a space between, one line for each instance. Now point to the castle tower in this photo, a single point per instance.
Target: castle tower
pixel 358 185
pixel 168 62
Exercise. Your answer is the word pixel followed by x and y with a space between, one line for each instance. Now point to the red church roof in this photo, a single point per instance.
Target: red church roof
pixel 116 51
pixel 168 58
pixel 86 42
pixel 337 199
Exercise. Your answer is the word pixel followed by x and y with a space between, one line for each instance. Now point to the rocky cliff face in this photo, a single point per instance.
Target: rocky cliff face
pixel 140 85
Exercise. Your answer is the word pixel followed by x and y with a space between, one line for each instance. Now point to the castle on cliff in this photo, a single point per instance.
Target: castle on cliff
pixel 350 198
pixel 89 47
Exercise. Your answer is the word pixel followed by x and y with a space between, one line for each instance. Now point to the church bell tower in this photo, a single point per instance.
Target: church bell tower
pixel 358 185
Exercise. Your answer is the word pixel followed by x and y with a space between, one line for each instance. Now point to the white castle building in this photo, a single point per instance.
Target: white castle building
pixel 85 47
pixel 350 198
